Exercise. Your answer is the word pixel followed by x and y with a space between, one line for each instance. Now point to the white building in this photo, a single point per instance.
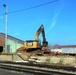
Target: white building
pixel 65 49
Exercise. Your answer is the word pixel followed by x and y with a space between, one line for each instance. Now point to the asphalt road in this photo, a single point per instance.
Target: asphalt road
pixel 6 72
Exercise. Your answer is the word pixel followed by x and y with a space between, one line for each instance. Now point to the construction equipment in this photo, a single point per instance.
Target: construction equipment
pixel 30 45
pixel 34 45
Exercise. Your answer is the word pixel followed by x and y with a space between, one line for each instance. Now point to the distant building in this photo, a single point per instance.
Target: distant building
pixel 68 48
pixel 12 43
pixel 56 48
pixel 65 49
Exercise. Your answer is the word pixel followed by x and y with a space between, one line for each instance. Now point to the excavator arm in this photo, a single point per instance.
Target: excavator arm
pixel 41 30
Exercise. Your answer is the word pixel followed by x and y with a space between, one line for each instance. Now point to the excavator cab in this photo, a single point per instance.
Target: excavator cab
pixel 32 45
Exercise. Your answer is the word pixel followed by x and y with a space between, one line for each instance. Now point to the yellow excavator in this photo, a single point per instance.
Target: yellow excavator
pixel 33 45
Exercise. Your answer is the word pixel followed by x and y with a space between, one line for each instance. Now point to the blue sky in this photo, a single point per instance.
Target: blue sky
pixel 58 18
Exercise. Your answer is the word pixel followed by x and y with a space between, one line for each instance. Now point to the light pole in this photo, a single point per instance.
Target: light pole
pixel 6 30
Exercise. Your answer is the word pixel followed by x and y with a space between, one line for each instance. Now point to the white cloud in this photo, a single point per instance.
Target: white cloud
pixel 53 24
pixel 54 20
pixel 16 33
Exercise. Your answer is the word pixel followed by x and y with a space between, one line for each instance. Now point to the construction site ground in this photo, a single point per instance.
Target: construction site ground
pixel 60 60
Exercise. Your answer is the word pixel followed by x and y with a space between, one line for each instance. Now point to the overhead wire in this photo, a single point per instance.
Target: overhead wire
pixel 31 7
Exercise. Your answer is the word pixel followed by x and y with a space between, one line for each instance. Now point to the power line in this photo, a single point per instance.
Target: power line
pixel 33 7
pixel 30 7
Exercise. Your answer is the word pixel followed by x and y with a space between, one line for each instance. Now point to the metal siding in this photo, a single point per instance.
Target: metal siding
pixel 13 45
pixel 69 50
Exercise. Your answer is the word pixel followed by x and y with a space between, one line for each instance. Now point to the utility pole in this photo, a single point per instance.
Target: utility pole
pixel 6 30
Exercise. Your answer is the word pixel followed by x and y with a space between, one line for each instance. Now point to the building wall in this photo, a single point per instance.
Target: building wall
pixel 13 45
pixel 69 50
pixel 56 50
pixel 65 50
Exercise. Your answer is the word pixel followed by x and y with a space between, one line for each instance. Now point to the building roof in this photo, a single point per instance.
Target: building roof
pixel 68 46
pixel 2 36
pixel 64 46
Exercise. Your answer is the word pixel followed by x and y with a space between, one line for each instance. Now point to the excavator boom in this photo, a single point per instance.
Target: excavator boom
pixel 41 30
